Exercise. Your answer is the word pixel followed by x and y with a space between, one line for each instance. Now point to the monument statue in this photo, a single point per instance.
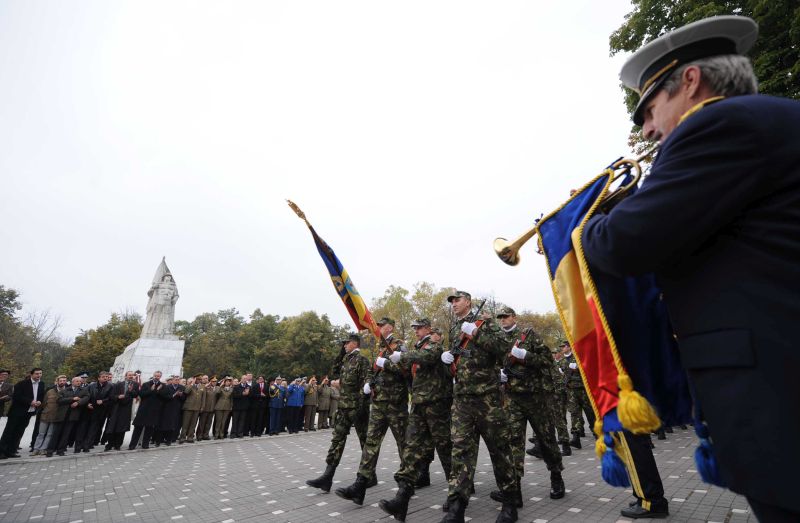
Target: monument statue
pixel 159 321
pixel 158 347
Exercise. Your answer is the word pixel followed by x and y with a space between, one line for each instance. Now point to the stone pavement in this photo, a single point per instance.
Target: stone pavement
pixel 263 479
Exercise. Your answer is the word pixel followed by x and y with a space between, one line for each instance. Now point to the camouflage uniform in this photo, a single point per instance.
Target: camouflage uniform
pixel 389 411
pixel 559 404
pixel 577 400
pixel 530 390
pixel 429 422
pixel 353 404
pixel 477 412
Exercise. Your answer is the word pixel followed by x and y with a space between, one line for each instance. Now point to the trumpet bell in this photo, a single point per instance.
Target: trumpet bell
pixel 506 251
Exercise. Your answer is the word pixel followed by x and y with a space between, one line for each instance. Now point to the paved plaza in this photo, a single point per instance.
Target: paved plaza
pixel 263 479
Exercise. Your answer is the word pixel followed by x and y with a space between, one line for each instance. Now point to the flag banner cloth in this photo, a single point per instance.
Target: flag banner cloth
pixel 352 300
pixel 618 329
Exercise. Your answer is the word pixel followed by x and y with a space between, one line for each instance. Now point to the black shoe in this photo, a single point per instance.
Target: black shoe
pixel 500 498
pixel 49 454
pixel 398 507
pixel 325 481
pixel 661 433
pixel 456 508
pixel 534 451
pixel 575 442
pixel 637 512
pixel 145 447
pixel 566 450
pixel 60 453
pixel 634 502
pixel 86 450
pixel 107 448
pixel 424 478
pixel 374 481
pixel 354 492
pixel 14 455
pixel 508 514
pixel 684 427
pixel 557 488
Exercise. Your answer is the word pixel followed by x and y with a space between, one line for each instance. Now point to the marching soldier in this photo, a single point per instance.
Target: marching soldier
pixel 429 422
pixel 477 410
pixel 353 370
pixel 529 385
pixel 389 389
pixel 577 400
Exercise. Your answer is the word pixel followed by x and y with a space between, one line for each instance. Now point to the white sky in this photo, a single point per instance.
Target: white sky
pixel 411 133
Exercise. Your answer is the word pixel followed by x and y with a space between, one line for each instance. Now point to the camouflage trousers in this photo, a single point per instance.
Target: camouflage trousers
pixel 346 418
pixel 560 416
pixel 428 429
pixel 383 416
pixel 474 417
pixel 577 405
pixel 533 407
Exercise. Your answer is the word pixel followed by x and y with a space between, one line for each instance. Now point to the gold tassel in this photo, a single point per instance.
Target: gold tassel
pixel 600 444
pixel 633 410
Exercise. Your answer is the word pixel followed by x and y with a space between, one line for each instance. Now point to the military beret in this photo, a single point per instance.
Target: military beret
pixel 459 294
pixel 647 69
pixel 506 311
pixel 437 330
pixel 385 320
pixel 352 337
pixel 421 322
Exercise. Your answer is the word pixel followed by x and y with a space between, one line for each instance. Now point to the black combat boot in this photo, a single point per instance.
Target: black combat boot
pixel 575 441
pixel 455 512
pixel 500 498
pixel 354 492
pixel 661 433
pixel 534 451
pixel 566 450
pixel 374 481
pixel 398 507
pixel 508 514
pixel 325 481
pixel 557 488
pixel 424 478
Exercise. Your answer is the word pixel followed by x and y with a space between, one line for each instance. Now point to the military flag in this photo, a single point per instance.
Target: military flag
pixel 618 329
pixel 344 286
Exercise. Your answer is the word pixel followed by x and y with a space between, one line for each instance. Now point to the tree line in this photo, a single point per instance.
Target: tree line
pixel 226 342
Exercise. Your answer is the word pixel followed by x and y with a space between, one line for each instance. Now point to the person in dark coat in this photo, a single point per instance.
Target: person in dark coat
pixel 88 435
pixel 149 411
pixel 26 401
pixel 119 420
pixel 241 407
pixel 718 222
pixel 169 423
pixel 76 397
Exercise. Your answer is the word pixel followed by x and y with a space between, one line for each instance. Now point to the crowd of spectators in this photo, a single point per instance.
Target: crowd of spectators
pixel 81 414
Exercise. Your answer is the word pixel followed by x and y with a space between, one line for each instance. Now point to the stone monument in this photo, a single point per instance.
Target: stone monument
pixel 158 348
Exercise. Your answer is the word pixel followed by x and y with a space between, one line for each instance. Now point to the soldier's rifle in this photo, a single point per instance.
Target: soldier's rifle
pixel 458 346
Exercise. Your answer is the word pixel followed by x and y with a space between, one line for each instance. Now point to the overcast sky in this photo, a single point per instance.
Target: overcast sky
pixel 411 133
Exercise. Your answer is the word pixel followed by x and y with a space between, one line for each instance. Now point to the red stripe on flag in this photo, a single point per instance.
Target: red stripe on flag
pixel 594 353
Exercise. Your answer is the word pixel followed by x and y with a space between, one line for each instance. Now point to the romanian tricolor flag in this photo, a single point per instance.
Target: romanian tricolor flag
pixel 618 329
pixel 341 281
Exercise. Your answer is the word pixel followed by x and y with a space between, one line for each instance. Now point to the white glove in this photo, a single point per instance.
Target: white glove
pixel 503 377
pixel 573 365
pixel 380 362
pixel 519 353
pixel 395 356
pixel 448 358
pixel 561 371
pixel 367 390
pixel 468 328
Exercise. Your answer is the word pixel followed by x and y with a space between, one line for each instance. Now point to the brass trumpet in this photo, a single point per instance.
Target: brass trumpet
pixel 508 251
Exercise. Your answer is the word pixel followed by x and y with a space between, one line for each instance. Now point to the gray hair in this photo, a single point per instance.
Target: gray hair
pixel 725 75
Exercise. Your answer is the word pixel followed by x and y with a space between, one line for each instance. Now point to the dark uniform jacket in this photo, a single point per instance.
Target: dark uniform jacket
pixel 533 374
pixel 241 401
pixel 478 369
pixel 172 398
pixel 718 222
pixel 389 385
pixel 430 380
pixel 352 374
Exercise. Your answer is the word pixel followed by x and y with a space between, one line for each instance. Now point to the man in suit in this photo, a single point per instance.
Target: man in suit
pixel 75 397
pixel 241 406
pixel 259 405
pixel 718 222
pixel 149 411
pixel 119 421
pixel 25 402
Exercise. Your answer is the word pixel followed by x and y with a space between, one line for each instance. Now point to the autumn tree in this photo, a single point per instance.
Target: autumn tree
pixel 95 350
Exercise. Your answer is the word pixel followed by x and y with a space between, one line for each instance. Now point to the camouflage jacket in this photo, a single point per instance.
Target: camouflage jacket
pixel 431 380
pixel 534 373
pixel 478 368
pixel 352 374
pixel 389 385
pixel 571 377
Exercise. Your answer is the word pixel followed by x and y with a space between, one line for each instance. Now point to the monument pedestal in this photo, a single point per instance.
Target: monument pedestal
pixel 149 355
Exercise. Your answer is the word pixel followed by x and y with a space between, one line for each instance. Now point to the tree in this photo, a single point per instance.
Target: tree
pixel 775 56
pixel 95 350
pixel 546 325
